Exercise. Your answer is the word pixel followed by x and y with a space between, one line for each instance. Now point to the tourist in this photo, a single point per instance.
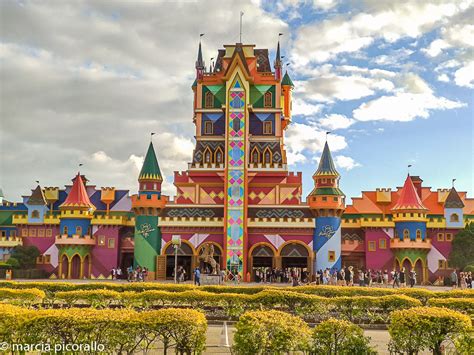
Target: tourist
pixel 112 272
pixel 144 274
pixel 396 279
pixel 130 273
pixel 197 276
pixel 385 277
pixel 295 281
pixel 454 279
pixel 119 273
pixel 361 277
pixel 412 278
pixel 469 279
pixel 463 279
pixel 401 276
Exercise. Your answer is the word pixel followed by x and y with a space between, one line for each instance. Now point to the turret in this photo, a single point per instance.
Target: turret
pixel 286 88
pixel 453 210
pixel 147 206
pixel 37 206
pixel 327 202
pixel 200 66
pixel 277 64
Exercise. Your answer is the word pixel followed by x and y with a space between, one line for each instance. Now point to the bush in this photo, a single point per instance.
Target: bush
pixel 93 298
pixel 413 330
pixel 22 297
pixel 270 332
pixel 119 331
pixel 464 305
pixel 339 337
pixel 469 268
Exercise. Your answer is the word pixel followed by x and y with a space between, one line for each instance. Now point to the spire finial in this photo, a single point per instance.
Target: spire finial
pixel 408 168
pixel 327 133
pixel 151 136
pixel 453 183
pixel 240 30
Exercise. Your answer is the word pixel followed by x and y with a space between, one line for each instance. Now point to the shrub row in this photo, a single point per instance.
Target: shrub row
pixel 25 296
pixel 118 331
pixel 321 290
pixel 358 308
pixel 274 332
pixel 430 328
pixel 464 305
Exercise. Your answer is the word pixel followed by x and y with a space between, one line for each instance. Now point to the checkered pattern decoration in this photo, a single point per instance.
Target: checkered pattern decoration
pixel 235 177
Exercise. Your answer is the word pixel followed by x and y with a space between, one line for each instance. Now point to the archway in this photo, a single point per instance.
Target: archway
pixel 420 275
pixel 295 258
pixel 64 267
pixel 261 262
pixel 75 267
pixel 217 256
pixel 185 260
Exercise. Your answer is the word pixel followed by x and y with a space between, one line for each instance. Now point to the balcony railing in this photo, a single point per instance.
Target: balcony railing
pixel 75 239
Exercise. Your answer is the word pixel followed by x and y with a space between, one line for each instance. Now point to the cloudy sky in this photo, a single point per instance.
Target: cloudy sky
pixel 87 81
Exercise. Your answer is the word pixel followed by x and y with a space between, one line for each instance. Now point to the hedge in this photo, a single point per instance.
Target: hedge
pixel 416 329
pixel 464 305
pixel 27 296
pixel 119 331
pixel 339 337
pixel 319 290
pixel 270 332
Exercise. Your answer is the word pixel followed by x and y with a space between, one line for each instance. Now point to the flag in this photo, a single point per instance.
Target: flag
pixel 81 164
pixel 280 34
pixel 152 133
pixel 37 181
pixel 409 165
pixel 201 34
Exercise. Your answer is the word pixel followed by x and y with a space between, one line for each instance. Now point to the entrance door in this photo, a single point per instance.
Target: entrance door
pixel 126 261
pixel 295 259
pixel 75 267
pixel 185 260
pixel 262 262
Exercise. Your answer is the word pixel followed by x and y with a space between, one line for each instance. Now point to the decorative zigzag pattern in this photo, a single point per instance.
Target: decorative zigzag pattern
pixel 279 213
pixel 191 212
pixel 201 146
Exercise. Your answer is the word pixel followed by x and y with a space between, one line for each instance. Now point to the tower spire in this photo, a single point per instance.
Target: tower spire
pixel 277 63
pixel 200 66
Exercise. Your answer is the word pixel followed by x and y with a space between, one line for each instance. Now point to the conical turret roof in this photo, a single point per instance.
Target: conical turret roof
pixel 409 199
pixel 78 197
pixel 453 200
pixel 326 164
pixel 150 169
pixel 287 80
pixel 37 197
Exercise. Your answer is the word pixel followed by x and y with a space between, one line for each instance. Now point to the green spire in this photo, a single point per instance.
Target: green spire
pixel 326 164
pixel 150 169
pixel 286 80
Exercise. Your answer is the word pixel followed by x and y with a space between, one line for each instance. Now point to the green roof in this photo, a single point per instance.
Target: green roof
pixel 326 164
pixel 150 169
pixel 335 191
pixel 286 80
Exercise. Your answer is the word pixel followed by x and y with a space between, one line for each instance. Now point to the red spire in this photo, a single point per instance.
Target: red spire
pixel 409 199
pixel 77 197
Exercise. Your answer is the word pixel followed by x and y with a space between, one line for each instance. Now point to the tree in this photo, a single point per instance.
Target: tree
pixel 26 256
pixel 462 253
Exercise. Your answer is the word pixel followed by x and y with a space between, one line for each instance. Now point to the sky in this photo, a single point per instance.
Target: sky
pixel 87 81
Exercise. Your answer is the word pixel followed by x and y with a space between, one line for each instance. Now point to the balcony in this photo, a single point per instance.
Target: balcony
pixel 64 239
pixel 10 242
pixel 396 243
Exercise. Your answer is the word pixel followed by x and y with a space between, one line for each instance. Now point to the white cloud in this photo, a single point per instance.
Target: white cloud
pixel 346 163
pixel 436 47
pixel 443 78
pixel 302 107
pixel 336 121
pixel 403 106
pixel 465 75
pixel 304 139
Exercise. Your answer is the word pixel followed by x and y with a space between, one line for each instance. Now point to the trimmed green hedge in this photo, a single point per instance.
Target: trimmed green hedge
pixel 119 331
pixel 464 305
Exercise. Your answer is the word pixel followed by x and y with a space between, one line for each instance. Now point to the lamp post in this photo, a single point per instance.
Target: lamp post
pixel 176 241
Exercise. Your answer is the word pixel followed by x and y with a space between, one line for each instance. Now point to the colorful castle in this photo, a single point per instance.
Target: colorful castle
pixel 238 195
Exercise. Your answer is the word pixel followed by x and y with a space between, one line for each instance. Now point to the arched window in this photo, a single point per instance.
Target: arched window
pixel 406 234
pixel 267 127
pixel 219 156
pixel 267 156
pixel 267 102
pixel 208 127
pixel 209 100
pixel 454 218
pixel 35 214
pixel 65 231
pixel 418 234
pixel 255 156
pixel 79 230
pixel 207 156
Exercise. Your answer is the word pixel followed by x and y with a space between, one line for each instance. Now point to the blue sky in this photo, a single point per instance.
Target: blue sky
pixel 87 81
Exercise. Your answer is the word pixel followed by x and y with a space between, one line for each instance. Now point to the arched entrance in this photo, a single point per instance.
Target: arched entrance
pixel 217 256
pixel 420 277
pixel 185 260
pixel 295 258
pixel 64 272
pixel 86 267
pixel 75 267
pixel 261 261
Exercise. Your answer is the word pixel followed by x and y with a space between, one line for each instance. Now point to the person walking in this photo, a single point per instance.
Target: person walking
pixel 402 277
pixel 197 276
pixel 454 279
pixel 412 278
pixel 396 279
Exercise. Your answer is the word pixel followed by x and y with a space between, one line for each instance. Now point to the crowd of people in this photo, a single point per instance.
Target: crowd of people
pixel 132 275
pixel 463 281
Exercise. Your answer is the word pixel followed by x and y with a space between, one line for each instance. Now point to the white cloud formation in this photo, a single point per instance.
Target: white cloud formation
pixel 346 163
pixel 336 121
pixel 443 77
pixel 302 107
pixel 436 47
pixel 465 75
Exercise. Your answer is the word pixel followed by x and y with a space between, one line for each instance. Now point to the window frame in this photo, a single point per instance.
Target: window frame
pixel 382 243
pixel 267 127
pixel 208 100
pixel 372 245
pixel 268 95
pixel 208 128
